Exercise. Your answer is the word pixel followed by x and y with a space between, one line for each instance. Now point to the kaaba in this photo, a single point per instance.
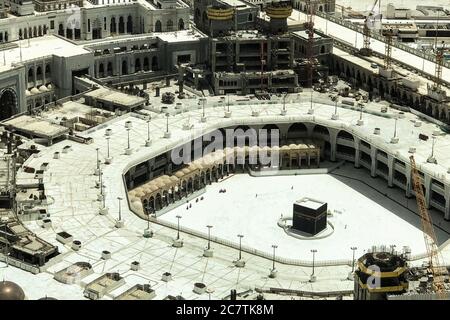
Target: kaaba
pixel 309 216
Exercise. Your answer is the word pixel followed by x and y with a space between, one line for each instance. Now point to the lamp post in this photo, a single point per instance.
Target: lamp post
pixel 274 246
pixel 284 111
pixel 313 251
pixel 360 121
pixel 98 161
pixel 167 133
pixel 431 159
pixel 335 115
pixel 148 142
pixel 394 139
pixel 108 133
pixel 240 236
pixel 209 236
pixel 107 146
pixel 353 258
pixel 128 138
pixel 178 226
pixel 120 208
pixel 228 112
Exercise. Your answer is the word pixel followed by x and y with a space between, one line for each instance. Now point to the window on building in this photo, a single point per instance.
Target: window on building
pixel 52 24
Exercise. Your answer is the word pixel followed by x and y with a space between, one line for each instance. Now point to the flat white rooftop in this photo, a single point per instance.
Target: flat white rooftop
pixel 74 206
pixel 252 206
pixel 35 48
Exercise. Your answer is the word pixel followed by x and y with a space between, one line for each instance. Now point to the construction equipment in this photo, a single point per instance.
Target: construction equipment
pixel 368 24
pixel 388 49
pixel 438 68
pixel 311 10
pixel 437 268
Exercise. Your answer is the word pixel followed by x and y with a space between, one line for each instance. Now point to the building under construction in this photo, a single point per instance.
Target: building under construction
pixel 250 50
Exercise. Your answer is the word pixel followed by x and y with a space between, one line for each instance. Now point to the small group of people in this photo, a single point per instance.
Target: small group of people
pixel 222 190
pixel 189 205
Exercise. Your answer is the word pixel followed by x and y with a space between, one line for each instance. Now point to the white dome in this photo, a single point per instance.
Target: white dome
pixel 27 93
pixel 43 89
pixel 49 86
pixel 35 91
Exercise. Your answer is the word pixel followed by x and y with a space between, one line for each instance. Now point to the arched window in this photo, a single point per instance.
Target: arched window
pixel 30 74
pixel 154 63
pixel 169 25
pixel 181 24
pixel 158 26
pixel 124 67
pixel 112 26
pixel 250 17
pixel 121 25
pixel 129 24
pixel 39 73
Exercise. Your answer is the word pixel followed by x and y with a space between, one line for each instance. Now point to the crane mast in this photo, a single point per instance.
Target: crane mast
pixel 366 50
pixel 437 268
pixel 311 10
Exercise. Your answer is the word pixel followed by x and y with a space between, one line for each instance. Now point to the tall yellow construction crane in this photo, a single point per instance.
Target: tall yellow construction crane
pixel 437 268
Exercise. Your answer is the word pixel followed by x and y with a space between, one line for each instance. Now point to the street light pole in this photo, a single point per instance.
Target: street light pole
pixel 240 245
pixel 209 236
pixel 353 258
pixel 178 227
pixel 128 136
pixel 98 161
pixel 313 261
pixel 274 246
pixel 120 208
pixel 107 146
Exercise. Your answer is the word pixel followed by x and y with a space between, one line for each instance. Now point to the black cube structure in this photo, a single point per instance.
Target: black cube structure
pixel 309 216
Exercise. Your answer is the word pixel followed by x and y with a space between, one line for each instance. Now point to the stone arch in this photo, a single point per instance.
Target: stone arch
pixel 146 64
pixel 8 103
pixel 169 25
pixel 40 31
pixel 297 130
pixel 61 29
pixel 181 24
pixel 321 131
pixel 155 63
pixel 112 25
pixel 35 33
pixel 268 141
pixel 137 65
pixel 158 26
pixel 124 67
pixel 109 69
pixel 345 135
pixel 129 24
pixel 121 25
pixel 30 74
pixel 39 73
pixel 101 70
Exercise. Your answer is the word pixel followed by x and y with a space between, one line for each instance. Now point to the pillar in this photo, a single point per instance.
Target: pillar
pixel 333 143
pixel 427 184
pixel 391 168
pixel 447 203
pixel 357 152
pixel 408 180
pixel 373 165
